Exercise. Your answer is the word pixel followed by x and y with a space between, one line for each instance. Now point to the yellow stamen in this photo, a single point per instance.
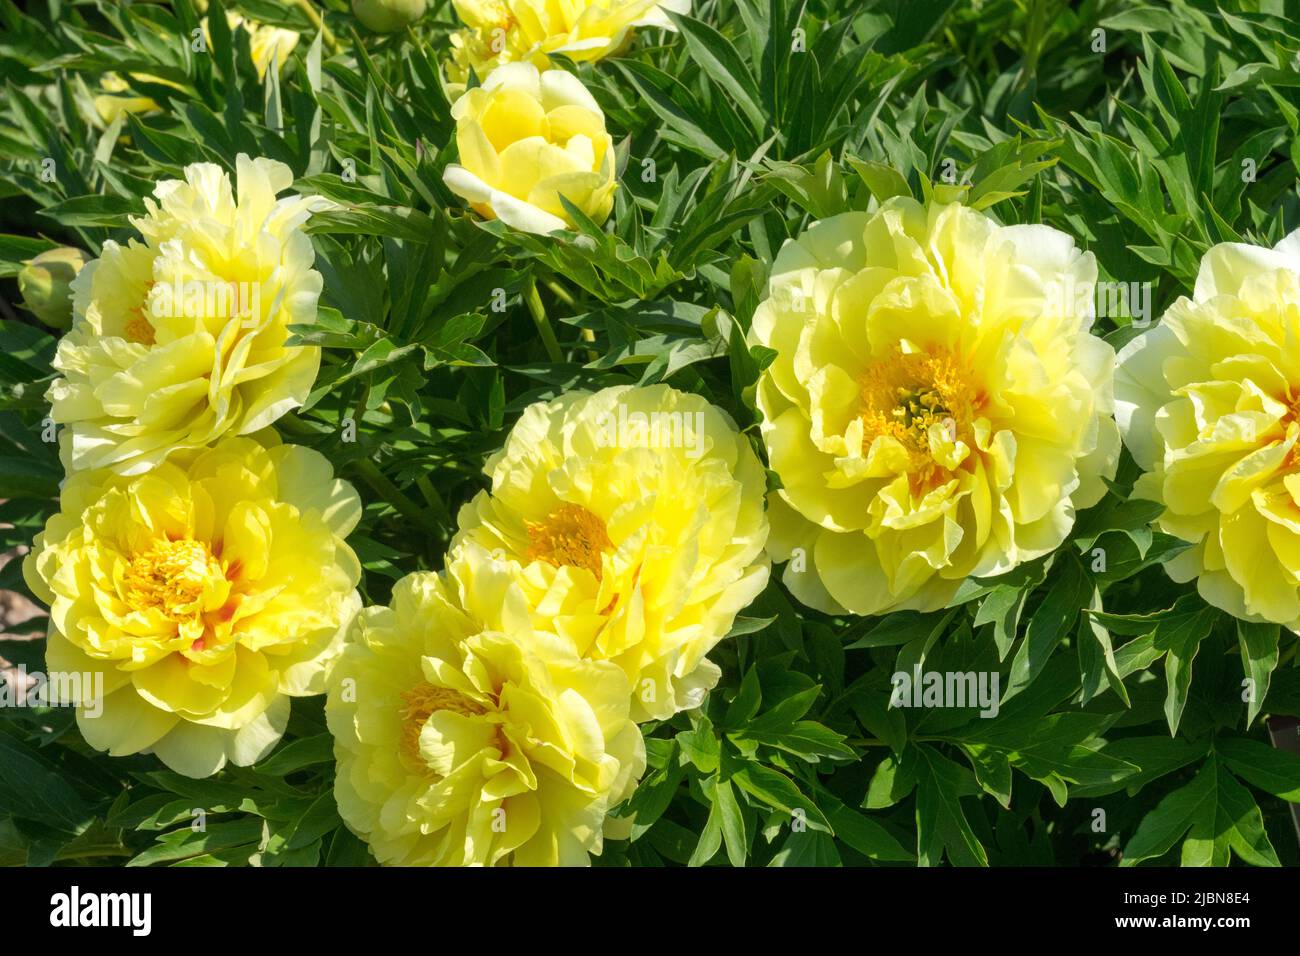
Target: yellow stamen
pixel 418 704
pixel 570 535
pixel 171 577
pixel 140 329
pixel 906 394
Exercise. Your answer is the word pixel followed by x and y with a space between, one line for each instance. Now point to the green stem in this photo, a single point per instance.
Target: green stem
pixel 433 498
pixel 560 292
pixel 330 40
pixel 534 302
pixel 359 414
pixel 377 480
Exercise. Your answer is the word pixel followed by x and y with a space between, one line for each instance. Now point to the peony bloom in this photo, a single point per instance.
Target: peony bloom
pixel 267 44
pixel 466 736
pixel 111 103
pixel 180 339
pixel 204 596
pixel 634 518
pixel 507 31
pixel 937 407
pixel 1209 405
pixel 525 139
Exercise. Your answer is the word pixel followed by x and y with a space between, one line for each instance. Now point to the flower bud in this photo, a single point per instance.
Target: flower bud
pixel 44 283
pixel 388 16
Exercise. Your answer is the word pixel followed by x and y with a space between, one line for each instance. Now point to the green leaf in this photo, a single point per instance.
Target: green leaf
pixel 883 181
pixel 297 754
pixel 732 823
pixel 33 788
pixel 710 838
pixel 92 211
pixel 700 746
pixel 1259 655
pixel 864 834
pixel 16 250
pixel 723 64
pixel 1172 817
pixel 1271 769
pixel 779 792
pixel 1054 618
pixel 683 124
pixel 941 825
pixel 1097 657
pixel 1182 640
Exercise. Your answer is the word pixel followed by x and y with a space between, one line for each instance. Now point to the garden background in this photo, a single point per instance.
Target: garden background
pixel 1149 132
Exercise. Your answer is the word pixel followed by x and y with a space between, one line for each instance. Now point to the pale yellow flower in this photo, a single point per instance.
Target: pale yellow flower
pixel 634 517
pixel 465 735
pixel 111 103
pixel 1209 404
pixel 267 44
pixel 936 409
pixel 203 596
pixel 509 31
pixel 525 139
pixel 180 339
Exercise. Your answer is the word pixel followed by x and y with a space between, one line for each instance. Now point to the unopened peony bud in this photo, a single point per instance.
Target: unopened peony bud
pixel 388 16
pixel 44 282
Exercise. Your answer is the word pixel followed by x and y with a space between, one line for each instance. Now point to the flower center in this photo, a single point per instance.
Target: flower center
pixel 418 704
pixel 907 394
pixel 140 329
pixel 570 535
pixel 171 577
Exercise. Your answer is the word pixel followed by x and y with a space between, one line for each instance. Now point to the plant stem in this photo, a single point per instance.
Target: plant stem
pixel 534 302
pixel 560 292
pixel 360 413
pixel 433 498
pixel 330 40
pixel 376 479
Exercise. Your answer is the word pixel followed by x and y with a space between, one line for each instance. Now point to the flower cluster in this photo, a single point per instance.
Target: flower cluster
pixel 491 711
pixel 197 565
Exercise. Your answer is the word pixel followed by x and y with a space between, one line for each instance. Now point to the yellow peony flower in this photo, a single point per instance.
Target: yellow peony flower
pixel 509 31
pixel 525 139
pixel 267 44
pixel 1209 405
pixel 180 339
pixel 464 735
pixel 203 596
pixel 111 103
pixel 635 519
pixel 937 407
